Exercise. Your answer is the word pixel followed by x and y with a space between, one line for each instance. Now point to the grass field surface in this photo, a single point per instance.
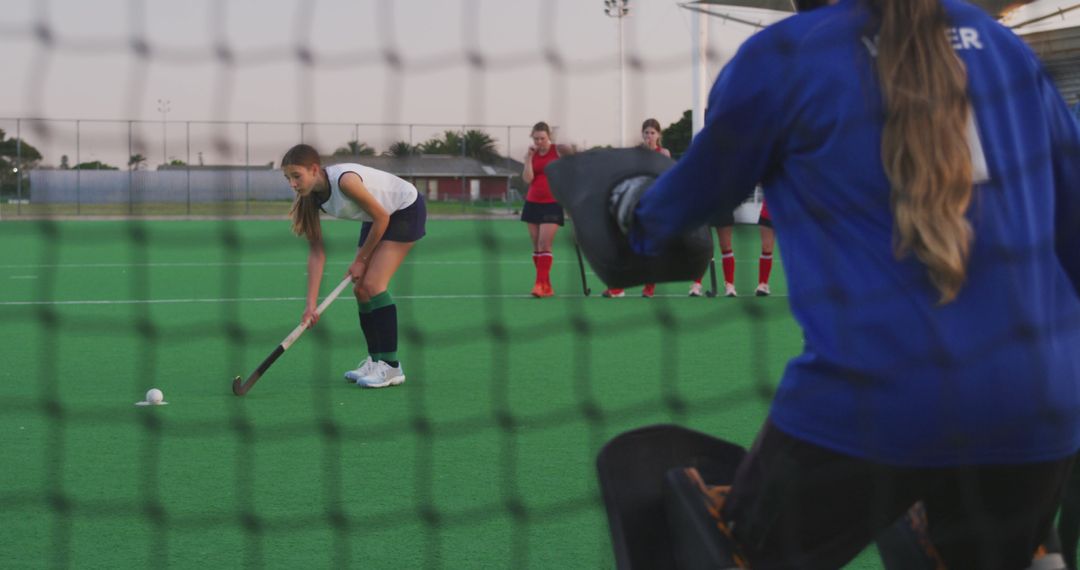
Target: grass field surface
pixel 484 458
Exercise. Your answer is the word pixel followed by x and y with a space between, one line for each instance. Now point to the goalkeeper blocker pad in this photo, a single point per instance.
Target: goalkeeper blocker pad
pixel 646 532
pixel 583 184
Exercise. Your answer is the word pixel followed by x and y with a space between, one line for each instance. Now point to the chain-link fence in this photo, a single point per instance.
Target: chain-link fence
pixel 122 168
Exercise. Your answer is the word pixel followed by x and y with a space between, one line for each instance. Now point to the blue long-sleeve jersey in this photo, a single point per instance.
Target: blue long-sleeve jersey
pixel 887 373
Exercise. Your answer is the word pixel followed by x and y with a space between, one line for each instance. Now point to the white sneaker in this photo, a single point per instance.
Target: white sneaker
pixel 729 290
pixel 762 290
pixel 695 290
pixel 383 375
pixel 363 369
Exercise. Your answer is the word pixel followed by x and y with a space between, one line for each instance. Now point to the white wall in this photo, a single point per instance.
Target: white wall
pixel 115 186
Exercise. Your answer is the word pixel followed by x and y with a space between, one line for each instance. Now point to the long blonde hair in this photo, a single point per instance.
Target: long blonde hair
pixel 924 145
pixel 305 209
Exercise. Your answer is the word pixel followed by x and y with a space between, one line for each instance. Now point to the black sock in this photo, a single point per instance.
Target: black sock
pixel 367 326
pixel 384 325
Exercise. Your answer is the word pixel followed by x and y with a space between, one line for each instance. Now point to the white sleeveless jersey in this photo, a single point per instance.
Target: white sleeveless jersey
pixel 391 192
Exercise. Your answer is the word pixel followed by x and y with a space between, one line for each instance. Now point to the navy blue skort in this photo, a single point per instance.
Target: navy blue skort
pixel 406 225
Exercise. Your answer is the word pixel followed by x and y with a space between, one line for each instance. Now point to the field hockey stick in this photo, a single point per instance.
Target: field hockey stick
pixel 581 265
pixel 241 387
pixel 712 279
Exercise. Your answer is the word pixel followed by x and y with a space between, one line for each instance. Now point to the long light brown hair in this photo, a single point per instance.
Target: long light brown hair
pixel 924 145
pixel 305 209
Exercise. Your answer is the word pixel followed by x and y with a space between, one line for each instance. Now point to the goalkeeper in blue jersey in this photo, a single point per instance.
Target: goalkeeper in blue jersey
pixel 923 174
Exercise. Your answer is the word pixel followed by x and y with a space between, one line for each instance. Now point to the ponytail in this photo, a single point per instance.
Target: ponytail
pixel 305 217
pixel 924 146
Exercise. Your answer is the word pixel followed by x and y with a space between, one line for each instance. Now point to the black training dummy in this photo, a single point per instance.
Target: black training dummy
pixel 599 189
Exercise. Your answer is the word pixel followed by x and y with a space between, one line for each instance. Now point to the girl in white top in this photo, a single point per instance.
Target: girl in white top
pixel 393 215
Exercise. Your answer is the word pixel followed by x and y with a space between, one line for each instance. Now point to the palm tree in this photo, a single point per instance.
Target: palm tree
pixel 481 146
pixel 354 148
pixel 136 161
pixel 450 143
pixel 472 143
pixel 402 149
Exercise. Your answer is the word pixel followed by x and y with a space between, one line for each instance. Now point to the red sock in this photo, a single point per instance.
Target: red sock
pixel 536 264
pixel 543 267
pixel 764 267
pixel 728 261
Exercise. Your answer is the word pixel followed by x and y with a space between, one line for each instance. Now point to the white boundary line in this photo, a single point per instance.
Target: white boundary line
pixel 292 299
pixel 342 262
pixel 226 300
pixel 257 264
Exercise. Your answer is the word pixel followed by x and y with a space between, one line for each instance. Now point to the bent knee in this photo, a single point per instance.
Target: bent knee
pixel 370 288
pixel 361 292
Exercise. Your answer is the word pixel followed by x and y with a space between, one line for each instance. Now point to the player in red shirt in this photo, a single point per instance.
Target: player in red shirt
pixel 541 212
pixel 724 222
pixel 650 139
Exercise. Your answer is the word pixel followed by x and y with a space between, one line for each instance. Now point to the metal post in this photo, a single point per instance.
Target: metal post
pixel 466 192
pixel 247 168
pixel 506 193
pixel 622 86
pixel 131 178
pixel 187 166
pixel 18 165
pixel 698 42
pixel 78 171
pixel 620 9
pixel 163 108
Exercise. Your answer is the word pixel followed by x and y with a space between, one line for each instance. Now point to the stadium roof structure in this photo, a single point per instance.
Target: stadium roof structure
pixel 1047 26
pixel 1059 51
pixel 998 9
pixel 1042 24
pixel 995 7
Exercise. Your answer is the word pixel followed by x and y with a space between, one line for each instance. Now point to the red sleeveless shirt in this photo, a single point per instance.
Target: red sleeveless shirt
pixel 539 191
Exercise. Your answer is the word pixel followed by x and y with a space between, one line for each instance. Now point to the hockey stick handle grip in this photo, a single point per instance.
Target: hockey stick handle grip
pixel 299 330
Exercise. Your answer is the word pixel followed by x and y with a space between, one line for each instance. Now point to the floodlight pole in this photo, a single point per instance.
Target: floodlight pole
pixel 619 9
pixel 698 41
pixel 163 108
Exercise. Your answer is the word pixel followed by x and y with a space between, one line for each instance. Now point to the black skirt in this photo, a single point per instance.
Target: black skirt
pixel 537 213
pixel 406 225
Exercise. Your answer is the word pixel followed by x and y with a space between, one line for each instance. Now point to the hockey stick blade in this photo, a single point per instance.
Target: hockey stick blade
pixel 712 292
pixel 240 388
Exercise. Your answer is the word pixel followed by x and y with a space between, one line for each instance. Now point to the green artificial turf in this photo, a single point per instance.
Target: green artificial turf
pixel 484 458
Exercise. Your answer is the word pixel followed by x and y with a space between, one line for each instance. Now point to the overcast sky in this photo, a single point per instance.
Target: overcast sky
pixel 445 62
